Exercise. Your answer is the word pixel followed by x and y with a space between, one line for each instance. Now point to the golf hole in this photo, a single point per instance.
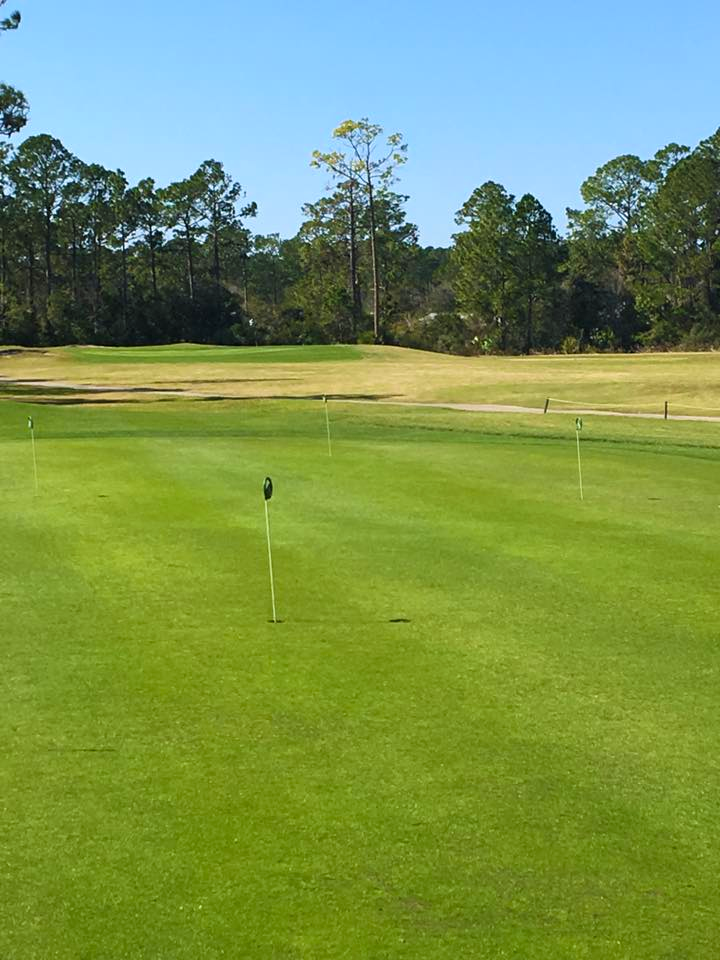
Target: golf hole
pixel 399 620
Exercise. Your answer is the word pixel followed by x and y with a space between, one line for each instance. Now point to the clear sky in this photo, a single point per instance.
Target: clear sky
pixel 535 95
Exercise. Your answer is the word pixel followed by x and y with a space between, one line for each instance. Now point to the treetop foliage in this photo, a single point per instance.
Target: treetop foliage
pixel 13 105
pixel 12 21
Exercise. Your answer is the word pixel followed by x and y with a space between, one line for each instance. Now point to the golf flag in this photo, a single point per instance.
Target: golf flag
pixel 267 493
pixel 578 428
pixel 32 440
pixel 327 424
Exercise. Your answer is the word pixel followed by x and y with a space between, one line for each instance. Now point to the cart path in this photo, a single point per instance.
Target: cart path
pixel 469 407
pixel 508 408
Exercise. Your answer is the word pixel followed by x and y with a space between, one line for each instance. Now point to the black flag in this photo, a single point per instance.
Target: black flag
pixel 267 488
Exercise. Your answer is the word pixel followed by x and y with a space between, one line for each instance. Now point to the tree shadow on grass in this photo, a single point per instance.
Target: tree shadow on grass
pixel 319 396
pixel 237 379
pixel 156 395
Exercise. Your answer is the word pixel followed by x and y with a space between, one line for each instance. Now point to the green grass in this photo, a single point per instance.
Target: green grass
pixel 199 353
pixel 526 769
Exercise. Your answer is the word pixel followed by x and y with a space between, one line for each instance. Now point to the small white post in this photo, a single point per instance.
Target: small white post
pixel 31 425
pixel 327 424
pixel 578 428
pixel 267 492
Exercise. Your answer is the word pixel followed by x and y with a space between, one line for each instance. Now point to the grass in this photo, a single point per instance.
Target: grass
pixel 30 392
pixel 183 353
pixel 526 768
pixel 642 382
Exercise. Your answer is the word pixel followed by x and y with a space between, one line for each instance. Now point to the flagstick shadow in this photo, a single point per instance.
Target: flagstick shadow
pixel 334 621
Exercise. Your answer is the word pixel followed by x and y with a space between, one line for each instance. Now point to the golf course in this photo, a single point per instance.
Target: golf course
pixel 486 723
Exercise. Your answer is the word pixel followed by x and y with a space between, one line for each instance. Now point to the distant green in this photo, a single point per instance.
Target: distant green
pixel 526 768
pixel 198 353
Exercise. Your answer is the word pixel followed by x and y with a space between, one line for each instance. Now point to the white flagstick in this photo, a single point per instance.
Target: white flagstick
pixel 327 423
pixel 32 440
pixel 578 428
pixel 267 493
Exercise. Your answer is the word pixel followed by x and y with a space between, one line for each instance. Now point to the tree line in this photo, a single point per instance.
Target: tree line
pixel 638 267
pixel 85 256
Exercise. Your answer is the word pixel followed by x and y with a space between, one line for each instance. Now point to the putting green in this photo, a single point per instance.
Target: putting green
pixel 524 766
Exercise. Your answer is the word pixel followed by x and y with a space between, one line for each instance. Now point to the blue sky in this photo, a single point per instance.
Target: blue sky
pixel 533 95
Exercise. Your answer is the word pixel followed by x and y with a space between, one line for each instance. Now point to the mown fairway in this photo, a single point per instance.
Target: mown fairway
pixel 527 768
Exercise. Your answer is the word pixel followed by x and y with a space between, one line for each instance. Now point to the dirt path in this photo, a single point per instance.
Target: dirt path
pixel 470 407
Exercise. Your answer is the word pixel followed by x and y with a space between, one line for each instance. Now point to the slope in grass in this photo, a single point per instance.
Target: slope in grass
pixel 199 353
